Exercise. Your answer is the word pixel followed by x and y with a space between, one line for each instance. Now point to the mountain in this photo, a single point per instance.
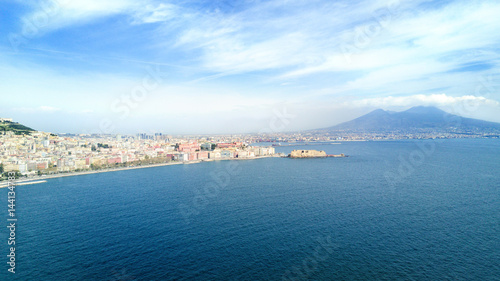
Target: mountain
pixel 18 129
pixel 417 118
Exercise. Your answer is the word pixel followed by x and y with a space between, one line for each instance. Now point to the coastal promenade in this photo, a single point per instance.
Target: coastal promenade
pixel 40 179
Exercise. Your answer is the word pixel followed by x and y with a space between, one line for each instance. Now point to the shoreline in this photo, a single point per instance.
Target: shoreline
pixel 41 179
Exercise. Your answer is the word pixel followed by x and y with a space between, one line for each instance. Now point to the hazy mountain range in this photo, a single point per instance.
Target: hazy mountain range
pixel 419 118
pixel 416 118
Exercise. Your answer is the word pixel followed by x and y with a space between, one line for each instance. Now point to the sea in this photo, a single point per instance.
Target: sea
pixel 392 210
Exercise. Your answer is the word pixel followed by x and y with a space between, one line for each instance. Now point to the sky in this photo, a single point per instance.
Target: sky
pixel 210 67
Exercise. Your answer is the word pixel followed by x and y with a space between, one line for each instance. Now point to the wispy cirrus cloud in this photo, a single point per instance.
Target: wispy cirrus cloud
pixel 153 13
pixel 52 15
pixel 41 109
pixel 248 54
pixel 318 37
pixel 297 39
pixel 48 16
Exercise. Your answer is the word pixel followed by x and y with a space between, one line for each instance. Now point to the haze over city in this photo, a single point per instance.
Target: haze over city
pixel 230 67
pixel 250 139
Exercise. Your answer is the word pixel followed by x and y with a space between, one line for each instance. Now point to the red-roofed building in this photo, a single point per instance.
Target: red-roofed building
pixel 227 145
pixel 188 147
pixel 114 160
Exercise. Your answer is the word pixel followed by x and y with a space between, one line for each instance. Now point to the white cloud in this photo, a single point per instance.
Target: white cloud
pixel 152 13
pixel 430 100
pixel 48 108
pixel 43 108
pixel 51 15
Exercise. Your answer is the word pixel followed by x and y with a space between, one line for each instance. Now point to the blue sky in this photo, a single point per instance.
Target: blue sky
pixel 235 66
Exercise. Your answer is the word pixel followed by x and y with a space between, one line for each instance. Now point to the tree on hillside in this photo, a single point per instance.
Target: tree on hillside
pixel 1 169
pixel 103 145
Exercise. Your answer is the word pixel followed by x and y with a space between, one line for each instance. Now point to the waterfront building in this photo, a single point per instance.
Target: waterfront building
pixel 203 155
pixel 214 155
pixel 23 168
pixel 183 157
pixel 226 154
pixel 242 154
pixel 114 160
pixel 206 146
pixel 193 156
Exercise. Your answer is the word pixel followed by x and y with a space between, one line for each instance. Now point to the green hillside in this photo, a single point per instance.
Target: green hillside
pixel 18 129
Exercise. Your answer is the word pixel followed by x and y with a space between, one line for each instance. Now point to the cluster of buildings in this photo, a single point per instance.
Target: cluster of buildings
pixel 45 153
pixel 349 135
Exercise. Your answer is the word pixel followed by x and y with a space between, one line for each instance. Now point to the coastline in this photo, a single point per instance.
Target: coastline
pixel 41 179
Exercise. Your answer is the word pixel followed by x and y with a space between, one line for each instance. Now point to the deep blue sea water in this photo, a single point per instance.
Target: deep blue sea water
pixel 393 210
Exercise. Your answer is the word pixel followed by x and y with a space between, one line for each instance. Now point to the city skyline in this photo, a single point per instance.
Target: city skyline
pixel 219 67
